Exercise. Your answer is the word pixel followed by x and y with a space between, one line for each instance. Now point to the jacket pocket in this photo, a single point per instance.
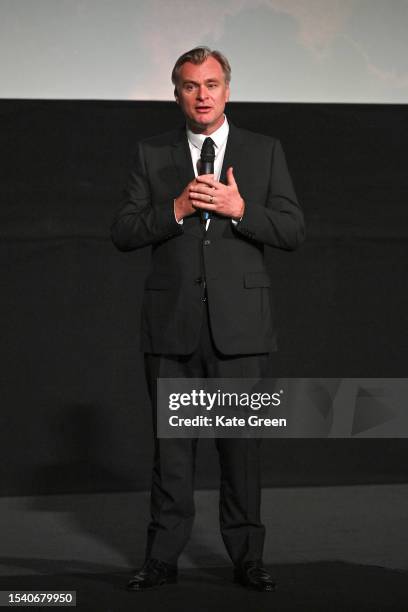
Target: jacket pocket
pixel 256 279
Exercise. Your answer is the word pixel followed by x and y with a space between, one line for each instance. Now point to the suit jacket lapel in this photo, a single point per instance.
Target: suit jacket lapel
pixel 182 159
pixel 185 172
pixel 234 153
pixel 234 156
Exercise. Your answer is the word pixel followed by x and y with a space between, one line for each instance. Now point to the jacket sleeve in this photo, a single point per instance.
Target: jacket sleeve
pixel 280 222
pixel 140 221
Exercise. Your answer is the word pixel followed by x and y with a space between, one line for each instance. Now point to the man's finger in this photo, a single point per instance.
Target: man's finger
pixel 207 179
pixel 206 197
pixel 203 205
pixel 230 176
pixel 208 191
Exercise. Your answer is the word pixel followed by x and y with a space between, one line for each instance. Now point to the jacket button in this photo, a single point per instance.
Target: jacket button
pixel 207 242
pixel 198 281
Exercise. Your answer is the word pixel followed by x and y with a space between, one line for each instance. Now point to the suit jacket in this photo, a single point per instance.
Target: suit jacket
pixel 230 257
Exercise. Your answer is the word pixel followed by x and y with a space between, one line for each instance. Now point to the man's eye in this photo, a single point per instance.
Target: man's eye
pixel 212 85
pixel 188 87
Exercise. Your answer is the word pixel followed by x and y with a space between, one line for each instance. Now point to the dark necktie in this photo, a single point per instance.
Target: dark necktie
pixel 207 166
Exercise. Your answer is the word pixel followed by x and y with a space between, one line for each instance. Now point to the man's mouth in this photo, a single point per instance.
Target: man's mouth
pixel 203 109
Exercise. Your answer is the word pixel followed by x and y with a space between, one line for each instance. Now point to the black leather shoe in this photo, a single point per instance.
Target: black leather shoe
pixel 153 574
pixel 253 575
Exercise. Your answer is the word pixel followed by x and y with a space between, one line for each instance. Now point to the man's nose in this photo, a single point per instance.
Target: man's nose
pixel 202 92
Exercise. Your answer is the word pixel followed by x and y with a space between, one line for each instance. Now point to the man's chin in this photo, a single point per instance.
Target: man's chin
pixel 198 126
pixel 201 124
pixel 202 120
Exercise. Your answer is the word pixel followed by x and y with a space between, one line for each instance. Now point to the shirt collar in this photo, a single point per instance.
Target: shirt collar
pixel 219 136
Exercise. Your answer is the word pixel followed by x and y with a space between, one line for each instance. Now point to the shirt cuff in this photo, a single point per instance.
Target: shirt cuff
pixel 181 220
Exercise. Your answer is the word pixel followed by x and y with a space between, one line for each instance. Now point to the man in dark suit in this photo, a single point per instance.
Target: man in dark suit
pixel 207 310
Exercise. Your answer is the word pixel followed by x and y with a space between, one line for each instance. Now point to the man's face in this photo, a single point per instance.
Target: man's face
pixel 202 94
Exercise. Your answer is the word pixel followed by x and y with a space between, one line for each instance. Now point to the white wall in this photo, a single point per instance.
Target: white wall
pixel 282 50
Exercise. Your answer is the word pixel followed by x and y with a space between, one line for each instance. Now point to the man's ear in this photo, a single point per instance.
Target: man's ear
pixel 176 96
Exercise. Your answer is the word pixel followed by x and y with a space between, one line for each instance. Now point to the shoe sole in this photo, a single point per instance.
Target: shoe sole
pixel 155 586
pixel 269 589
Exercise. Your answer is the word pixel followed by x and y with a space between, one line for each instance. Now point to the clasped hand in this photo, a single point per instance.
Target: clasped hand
pixel 209 194
pixel 205 193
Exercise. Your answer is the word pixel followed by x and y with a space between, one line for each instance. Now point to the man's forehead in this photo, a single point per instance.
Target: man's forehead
pixel 210 68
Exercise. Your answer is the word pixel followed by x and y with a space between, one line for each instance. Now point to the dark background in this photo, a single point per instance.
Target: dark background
pixel 74 410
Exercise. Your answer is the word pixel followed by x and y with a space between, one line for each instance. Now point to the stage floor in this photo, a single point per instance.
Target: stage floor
pixel 330 548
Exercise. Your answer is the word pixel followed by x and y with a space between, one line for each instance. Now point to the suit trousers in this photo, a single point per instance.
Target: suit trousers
pixel 172 493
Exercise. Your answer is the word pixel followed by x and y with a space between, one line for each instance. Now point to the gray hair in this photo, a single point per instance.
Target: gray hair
pixel 198 55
